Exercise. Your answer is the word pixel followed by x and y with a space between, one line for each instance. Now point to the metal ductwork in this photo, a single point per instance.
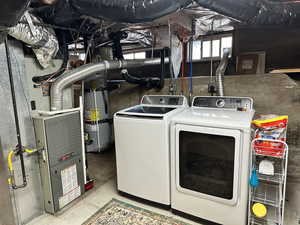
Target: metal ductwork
pixel 11 11
pixel 89 70
pixel 221 71
pixel 259 12
pixel 128 11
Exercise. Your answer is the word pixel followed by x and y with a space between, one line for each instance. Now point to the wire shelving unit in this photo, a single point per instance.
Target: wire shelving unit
pixel 271 189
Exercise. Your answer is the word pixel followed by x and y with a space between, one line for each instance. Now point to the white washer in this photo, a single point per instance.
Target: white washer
pixel 210 153
pixel 142 147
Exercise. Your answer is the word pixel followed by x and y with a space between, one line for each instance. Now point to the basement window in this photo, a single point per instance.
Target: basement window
pixel 135 55
pixel 211 47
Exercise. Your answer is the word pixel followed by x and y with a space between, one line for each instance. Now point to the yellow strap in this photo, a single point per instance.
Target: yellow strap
pixel 9 160
pixel 10 155
pixel 10 164
pixel 29 150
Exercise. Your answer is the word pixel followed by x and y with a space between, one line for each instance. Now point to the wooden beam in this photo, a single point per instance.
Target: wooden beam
pixel 296 70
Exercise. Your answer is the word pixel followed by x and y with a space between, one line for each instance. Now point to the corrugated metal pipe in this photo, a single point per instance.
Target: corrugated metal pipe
pixel 221 71
pixel 89 70
pixel 259 12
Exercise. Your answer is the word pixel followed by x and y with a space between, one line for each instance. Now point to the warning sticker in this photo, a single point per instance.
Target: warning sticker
pixel 69 179
pixel 69 197
pixel 71 189
pixel 93 115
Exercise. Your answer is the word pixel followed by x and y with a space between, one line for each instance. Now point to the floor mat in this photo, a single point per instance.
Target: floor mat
pixel 120 213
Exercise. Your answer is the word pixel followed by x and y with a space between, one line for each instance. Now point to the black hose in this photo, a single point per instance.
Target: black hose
pixel 116 38
pixel 105 101
pixel 63 67
pixel 148 83
pixel 13 95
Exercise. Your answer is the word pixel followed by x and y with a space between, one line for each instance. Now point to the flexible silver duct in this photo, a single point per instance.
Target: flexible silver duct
pixel 41 39
pixel 88 70
pixel 221 71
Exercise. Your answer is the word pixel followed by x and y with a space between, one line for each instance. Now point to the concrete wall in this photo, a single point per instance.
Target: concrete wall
pixel 28 201
pixel 281 45
pixel 272 94
pixel 24 68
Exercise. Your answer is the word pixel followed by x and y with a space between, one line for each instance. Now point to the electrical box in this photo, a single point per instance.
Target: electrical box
pixel 61 160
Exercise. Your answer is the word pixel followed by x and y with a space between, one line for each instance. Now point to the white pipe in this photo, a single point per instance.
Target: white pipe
pixel 53 113
pixel 82 138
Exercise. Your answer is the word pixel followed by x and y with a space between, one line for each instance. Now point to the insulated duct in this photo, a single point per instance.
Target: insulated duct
pixel 11 11
pixel 66 12
pixel 41 39
pixel 128 11
pixel 221 71
pixel 259 12
pixel 87 71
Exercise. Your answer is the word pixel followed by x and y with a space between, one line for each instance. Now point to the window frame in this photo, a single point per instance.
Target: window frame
pixel 212 38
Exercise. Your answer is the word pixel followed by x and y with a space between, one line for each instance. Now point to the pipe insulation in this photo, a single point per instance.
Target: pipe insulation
pixel 89 70
pixel 259 12
pixel 11 12
pixel 221 71
pixel 128 11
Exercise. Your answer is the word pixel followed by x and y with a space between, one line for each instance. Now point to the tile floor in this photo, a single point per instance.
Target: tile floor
pixel 102 168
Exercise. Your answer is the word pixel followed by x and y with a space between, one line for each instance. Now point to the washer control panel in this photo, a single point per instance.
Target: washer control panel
pixel 235 103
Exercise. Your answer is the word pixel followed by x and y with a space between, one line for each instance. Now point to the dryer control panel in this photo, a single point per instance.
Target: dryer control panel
pixel 234 103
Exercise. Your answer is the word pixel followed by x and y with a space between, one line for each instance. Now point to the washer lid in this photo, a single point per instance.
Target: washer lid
pixel 158 106
pixel 150 110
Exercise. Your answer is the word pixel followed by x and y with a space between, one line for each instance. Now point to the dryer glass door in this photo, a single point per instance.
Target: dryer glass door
pixel 208 162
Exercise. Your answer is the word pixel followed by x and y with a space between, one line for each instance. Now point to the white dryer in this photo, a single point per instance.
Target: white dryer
pixel 210 152
pixel 142 147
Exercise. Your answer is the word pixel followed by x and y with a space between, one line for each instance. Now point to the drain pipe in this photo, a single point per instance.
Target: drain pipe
pixel 221 71
pixel 89 70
